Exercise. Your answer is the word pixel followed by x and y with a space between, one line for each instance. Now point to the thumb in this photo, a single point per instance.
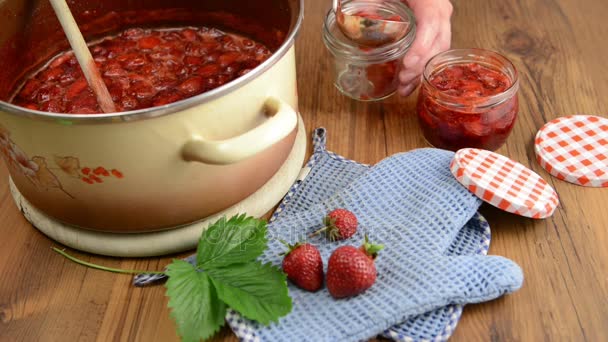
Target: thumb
pixel 476 278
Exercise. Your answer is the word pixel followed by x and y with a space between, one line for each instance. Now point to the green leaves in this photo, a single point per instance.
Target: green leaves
pixel 193 301
pixel 257 291
pixel 240 239
pixel 226 274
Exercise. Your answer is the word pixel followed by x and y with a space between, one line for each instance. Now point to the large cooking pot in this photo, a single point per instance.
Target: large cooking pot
pixel 161 167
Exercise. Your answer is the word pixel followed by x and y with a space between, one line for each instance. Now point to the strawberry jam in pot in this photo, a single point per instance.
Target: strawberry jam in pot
pixel 468 98
pixel 144 68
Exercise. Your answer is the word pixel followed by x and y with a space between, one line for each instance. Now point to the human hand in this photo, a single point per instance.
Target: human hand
pixel 433 35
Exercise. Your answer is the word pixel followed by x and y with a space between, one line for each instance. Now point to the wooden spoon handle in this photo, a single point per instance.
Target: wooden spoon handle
pixel 83 55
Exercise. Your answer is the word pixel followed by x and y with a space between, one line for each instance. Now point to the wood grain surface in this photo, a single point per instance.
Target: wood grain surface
pixel 560 50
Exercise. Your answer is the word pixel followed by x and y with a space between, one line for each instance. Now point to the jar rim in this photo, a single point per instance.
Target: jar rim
pixel 353 51
pixel 472 53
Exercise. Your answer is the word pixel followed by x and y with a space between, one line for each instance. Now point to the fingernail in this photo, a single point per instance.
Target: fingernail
pixel 410 61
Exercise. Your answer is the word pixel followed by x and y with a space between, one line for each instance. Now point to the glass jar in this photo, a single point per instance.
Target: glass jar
pixel 367 73
pixel 468 98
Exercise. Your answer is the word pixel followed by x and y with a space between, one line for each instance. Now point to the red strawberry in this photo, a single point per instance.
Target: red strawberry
pixel 351 270
pixel 340 224
pixel 149 42
pixel 304 266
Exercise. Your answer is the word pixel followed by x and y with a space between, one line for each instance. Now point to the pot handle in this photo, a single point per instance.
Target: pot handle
pixel 233 150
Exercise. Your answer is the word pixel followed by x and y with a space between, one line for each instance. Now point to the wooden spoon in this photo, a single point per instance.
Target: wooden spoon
pixel 83 55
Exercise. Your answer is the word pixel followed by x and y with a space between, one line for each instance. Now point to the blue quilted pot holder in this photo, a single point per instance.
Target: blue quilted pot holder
pixel 326 173
pixel 434 261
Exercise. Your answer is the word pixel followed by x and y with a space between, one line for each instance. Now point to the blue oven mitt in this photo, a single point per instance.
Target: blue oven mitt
pixel 327 173
pixel 413 205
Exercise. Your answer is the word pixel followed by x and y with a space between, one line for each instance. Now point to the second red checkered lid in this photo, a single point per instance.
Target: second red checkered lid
pixel 504 183
pixel 575 149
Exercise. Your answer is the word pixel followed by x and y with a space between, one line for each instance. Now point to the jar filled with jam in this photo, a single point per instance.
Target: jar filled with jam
pixel 468 98
pixel 368 73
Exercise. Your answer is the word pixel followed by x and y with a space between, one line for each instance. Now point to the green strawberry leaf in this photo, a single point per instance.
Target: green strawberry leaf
pixel 237 240
pixel 258 292
pixel 226 274
pixel 193 300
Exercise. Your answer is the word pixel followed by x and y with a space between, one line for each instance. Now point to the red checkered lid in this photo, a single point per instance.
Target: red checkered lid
pixel 575 149
pixel 504 183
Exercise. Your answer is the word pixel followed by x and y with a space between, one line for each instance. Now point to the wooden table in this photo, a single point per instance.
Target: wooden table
pixel 560 50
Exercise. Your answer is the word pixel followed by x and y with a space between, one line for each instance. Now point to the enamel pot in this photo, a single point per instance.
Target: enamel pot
pixel 157 168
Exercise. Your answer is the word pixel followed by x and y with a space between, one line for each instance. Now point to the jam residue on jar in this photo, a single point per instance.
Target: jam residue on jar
pixel 144 68
pixel 463 123
pixel 372 14
pixel 382 76
pixel 384 79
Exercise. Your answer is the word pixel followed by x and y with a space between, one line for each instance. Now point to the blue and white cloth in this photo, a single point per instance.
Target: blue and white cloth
pixel 433 263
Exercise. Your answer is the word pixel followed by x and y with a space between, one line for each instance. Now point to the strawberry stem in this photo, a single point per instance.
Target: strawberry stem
pixel 290 248
pixel 99 267
pixel 329 224
pixel 318 232
pixel 370 248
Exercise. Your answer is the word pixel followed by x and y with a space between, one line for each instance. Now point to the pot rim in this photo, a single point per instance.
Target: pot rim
pixel 154 112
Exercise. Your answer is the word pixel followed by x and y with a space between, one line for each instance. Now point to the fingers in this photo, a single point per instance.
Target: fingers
pixel 410 78
pixel 406 90
pixel 444 38
pixel 426 34
pixel 432 37
pixel 422 50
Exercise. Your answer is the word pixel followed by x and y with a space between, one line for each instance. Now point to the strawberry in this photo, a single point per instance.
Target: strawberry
pixel 351 270
pixel 340 224
pixel 304 266
pixel 149 42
